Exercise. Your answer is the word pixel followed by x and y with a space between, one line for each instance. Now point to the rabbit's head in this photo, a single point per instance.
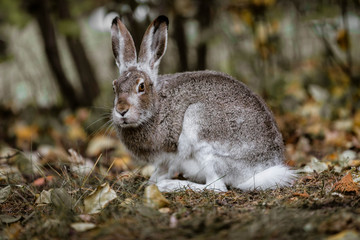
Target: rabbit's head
pixel 135 89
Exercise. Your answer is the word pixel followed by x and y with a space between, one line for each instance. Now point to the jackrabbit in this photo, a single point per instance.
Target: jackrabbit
pixel 204 125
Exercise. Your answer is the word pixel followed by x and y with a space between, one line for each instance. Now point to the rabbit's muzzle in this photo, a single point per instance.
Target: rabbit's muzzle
pixel 122 106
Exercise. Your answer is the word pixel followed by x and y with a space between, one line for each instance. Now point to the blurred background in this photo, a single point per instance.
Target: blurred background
pixel 302 57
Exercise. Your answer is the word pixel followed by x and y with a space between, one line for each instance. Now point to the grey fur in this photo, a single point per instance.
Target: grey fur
pixel 238 133
pixel 226 99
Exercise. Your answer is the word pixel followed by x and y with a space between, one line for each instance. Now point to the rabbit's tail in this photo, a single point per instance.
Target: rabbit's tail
pixel 271 178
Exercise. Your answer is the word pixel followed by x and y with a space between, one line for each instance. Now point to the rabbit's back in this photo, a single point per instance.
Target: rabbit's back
pixel 230 113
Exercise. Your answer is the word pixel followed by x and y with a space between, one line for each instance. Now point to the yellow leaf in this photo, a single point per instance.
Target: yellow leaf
pixel 342 39
pixel 99 198
pixel 99 144
pixel 247 17
pixel 346 234
pixel 123 163
pixel 357 119
pixel 75 132
pixel 154 198
pixel 25 134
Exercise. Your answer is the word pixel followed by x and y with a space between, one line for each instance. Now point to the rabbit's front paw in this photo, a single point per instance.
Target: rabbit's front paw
pixel 170 185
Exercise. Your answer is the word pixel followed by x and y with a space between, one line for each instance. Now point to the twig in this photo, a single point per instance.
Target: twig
pixel 91 171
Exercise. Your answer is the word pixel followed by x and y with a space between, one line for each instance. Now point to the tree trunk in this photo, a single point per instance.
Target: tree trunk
pixel 180 38
pixel 90 86
pixel 41 12
pixel 204 19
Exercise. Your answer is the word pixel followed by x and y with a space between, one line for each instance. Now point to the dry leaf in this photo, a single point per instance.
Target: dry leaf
pixel 304 194
pixel 41 181
pixel 9 219
pixel 79 164
pixel 82 226
pixel 51 154
pixel 123 163
pixel 154 198
pixel 99 198
pixel 354 163
pixel 127 202
pixel 13 231
pixel 75 132
pixel 342 39
pixel 99 144
pixel 315 165
pixel 347 185
pixel 10 174
pixel 148 170
pixel 60 198
pixel 44 197
pixel 165 210
pixel 4 193
pixel 345 235
pixel 25 134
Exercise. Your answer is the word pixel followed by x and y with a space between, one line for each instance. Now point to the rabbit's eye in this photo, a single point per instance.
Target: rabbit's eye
pixel 141 87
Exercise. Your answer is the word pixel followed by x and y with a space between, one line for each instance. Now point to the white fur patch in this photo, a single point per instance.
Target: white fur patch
pixel 273 177
pixel 201 162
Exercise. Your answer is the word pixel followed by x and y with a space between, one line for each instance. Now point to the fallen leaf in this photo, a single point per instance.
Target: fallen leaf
pixel 28 163
pixel 343 124
pixel 44 197
pixel 41 181
pixel 99 144
pixel 345 235
pixel 123 163
pixel 304 194
pixel 82 226
pixel 61 199
pixel 51 154
pixel 314 165
pixel 75 132
pixel 335 138
pixel 165 210
pixel 342 39
pixel 154 198
pixel 148 170
pixel 13 231
pixel 82 168
pixel 4 193
pixel 79 164
pixel 347 185
pixel 354 163
pixel 99 198
pixel 9 219
pixel 127 202
pixel 25 134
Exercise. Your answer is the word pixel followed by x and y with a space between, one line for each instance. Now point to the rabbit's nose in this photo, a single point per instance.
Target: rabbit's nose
pixel 122 112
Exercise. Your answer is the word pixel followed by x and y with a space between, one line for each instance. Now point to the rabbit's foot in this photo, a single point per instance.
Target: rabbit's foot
pixel 173 185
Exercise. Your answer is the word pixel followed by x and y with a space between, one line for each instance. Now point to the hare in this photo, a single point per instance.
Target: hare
pixel 204 125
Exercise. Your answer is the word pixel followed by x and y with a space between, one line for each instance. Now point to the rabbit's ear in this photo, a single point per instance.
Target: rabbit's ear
pixel 122 44
pixel 153 45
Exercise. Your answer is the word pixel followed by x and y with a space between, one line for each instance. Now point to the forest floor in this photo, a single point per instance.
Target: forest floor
pixel 95 191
